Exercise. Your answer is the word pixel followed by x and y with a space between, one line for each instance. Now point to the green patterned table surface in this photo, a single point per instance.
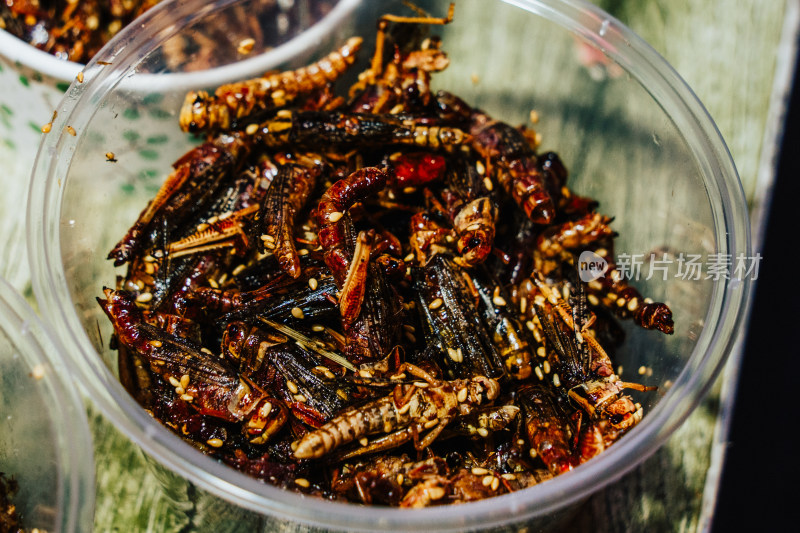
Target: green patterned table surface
pixel 738 56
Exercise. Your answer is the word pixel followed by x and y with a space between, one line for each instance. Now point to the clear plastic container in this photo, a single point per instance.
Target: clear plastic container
pixel 630 131
pixel 45 443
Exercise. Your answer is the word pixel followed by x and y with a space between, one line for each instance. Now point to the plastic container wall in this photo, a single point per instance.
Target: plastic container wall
pixel 624 110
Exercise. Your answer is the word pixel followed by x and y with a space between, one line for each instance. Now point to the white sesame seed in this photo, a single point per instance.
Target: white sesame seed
pixel 496 483
pixel 187 397
pixel 435 304
pixel 435 493
pixel 479 471
pixel 532 453
pixel 363 441
pixel 483 432
pixel 487 480
pixel 37 372
pixel 144 297
pixel 302 482
pixel 335 216
pixel 499 301
pixel 556 380
pixel 461 396
pixel 297 312
pixel 642 370
pixel 509 476
pixel 539 373
pixel 215 443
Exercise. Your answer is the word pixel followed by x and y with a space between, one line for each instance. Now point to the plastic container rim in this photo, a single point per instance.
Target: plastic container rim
pixel 725 314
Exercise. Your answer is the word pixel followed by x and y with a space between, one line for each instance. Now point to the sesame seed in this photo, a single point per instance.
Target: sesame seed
pixel 487 480
pixel 302 482
pixel 435 493
pixel 297 312
pixel 246 46
pixel 593 299
pixel 539 373
pixel 300 398
pixel 335 216
pixel 47 127
pixel 400 478
pixel 530 325
pixel 37 372
pixel 291 386
pixel 509 476
pixel 180 391
pixel 174 382
pixel 499 301
pixel 556 380
pixel 213 283
pixel 363 441
pixel 479 471
pixel 523 305
pixel 215 443
pixel 317 328
pixel 534 116
pixel 155 344
pixel 365 373
pixel 532 453
pixel 461 396
pixel 144 297
pixel 409 258
pixel 483 432
pixel 187 397
pixel 238 270
pixel 488 185
pixel 540 351
pixel 312 282
pixel 449 238
pixel 495 483
pixel 546 367
pixel 302 251
pixel 453 354
pixel 642 370
pixel 436 304
pixel 633 304
pixel 251 129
